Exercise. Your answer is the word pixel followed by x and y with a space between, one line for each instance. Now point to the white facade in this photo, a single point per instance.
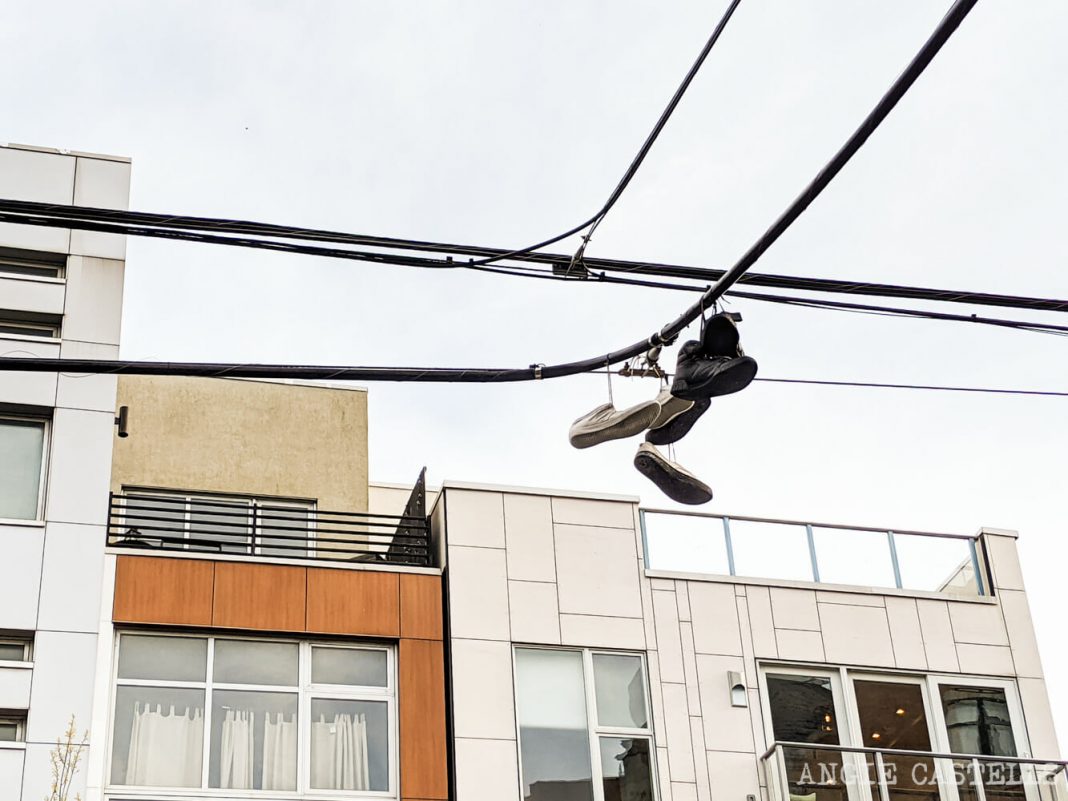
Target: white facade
pixel 534 568
pixel 54 554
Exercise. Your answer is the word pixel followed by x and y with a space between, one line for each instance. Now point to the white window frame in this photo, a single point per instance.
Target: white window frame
pixel 28 329
pixel 593 728
pixel 305 692
pixel 19 719
pixel 29 268
pixel 46 444
pixel 251 501
pixel 26 643
pixel 850 732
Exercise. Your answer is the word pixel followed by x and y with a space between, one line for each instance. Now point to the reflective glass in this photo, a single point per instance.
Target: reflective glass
pixel 356 667
pixel 553 735
pixel 145 656
pixel 219 526
pixel 158 738
pixel 847 556
pixel 803 711
pixel 686 543
pixel 282 531
pixel 977 721
pixel 626 769
pixel 9 731
pixel 253 740
pixel 619 684
pixel 349 745
pixel 153 517
pixel 22 446
pixel 936 564
pixel 12 652
pixel 255 662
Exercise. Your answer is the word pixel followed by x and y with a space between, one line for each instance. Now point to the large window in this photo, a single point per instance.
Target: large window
pixel 22 443
pixel 243 714
pixel 584 727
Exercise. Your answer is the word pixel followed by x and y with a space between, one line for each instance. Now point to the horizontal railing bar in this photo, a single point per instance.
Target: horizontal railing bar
pixel 409 560
pixel 840 526
pixel 182 543
pixel 850 749
pixel 146 502
pixel 404 541
pixel 138 521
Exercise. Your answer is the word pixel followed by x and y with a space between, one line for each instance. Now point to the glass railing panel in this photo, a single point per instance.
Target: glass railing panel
pixel 936 564
pixel 771 550
pixel 908 778
pixel 814 774
pixel 850 556
pixel 686 543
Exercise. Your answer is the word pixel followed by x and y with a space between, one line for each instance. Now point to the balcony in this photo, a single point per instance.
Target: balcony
pixel 820 553
pixel 267 531
pixel 824 772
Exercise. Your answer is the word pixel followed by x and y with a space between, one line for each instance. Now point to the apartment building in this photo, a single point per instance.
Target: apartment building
pixel 266 635
pixel 605 652
pixel 60 295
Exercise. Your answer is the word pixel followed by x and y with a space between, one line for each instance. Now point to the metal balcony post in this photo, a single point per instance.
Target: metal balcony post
pixel 880 777
pixel 977 778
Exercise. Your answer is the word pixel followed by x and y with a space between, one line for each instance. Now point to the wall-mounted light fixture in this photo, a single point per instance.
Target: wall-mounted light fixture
pixel 739 695
pixel 122 420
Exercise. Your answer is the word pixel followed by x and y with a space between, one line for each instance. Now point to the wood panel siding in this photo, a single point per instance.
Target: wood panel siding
pixel 421 705
pixel 176 592
pixel 353 602
pixel 420 606
pixel 259 597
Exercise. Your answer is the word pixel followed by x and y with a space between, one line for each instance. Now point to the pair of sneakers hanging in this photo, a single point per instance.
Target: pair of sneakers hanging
pixel 712 366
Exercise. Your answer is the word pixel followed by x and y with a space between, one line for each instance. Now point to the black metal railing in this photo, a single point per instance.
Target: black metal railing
pixel 253 528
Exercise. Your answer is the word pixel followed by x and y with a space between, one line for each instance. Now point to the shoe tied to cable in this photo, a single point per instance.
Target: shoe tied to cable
pixel 675 481
pixel 606 422
pixel 720 336
pixel 699 376
pixel 679 426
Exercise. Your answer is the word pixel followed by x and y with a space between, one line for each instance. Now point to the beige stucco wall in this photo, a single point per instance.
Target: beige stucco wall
pixel 246 437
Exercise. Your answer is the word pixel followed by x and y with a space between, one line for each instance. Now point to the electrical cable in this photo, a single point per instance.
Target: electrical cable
pixel 665 335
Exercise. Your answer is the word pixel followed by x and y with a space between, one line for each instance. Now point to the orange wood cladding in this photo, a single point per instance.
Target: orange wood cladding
pixel 175 592
pixel 420 606
pixel 423 767
pixel 260 597
pixel 349 601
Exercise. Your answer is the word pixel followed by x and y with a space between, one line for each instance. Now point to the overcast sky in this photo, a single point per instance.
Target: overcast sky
pixel 500 123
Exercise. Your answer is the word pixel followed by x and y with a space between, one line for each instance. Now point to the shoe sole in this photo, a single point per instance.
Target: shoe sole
pixel 635 423
pixel 726 382
pixel 679 488
pixel 679 427
pixel 680 409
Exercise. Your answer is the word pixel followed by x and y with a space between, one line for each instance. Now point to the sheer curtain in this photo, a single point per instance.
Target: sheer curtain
pixel 279 752
pixel 236 749
pixel 165 749
pixel 339 753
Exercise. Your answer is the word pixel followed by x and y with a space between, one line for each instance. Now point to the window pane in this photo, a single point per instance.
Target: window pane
pixel 143 656
pixel 349 666
pixel 349 745
pixel 12 651
pixel 770 550
pixel 282 531
pixel 937 564
pixel 22 444
pixel 9 731
pixel 892 715
pixel 977 721
pixel 803 711
pixel 153 518
pixel 847 556
pixel 159 737
pixel 620 687
pixel 219 526
pixel 686 543
pixel 553 734
pixel 253 740
pixel 252 662
pixel 625 769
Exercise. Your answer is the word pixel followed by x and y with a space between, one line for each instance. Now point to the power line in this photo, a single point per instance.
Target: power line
pixel 666 335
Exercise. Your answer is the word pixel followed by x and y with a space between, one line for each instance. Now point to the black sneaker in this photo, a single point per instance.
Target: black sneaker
pixel 720 337
pixel 699 376
pixel 679 426
pixel 673 480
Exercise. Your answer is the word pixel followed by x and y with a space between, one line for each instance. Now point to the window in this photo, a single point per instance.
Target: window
pixel 12 726
pixel 22 442
pixel 16 649
pixel 806 709
pixel 15 324
pixel 219 523
pixel 245 714
pixel 584 730
pixel 28 263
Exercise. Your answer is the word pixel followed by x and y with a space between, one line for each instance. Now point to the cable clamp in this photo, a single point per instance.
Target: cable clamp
pixel 537 370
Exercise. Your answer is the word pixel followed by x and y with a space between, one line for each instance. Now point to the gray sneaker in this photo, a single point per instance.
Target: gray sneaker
pixel 606 422
pixel 673 480
pixel 670 408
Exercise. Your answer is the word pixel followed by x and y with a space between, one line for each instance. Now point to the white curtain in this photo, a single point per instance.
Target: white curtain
pixel 339 753
pixel 236 750
pixel 165 749
pixel 279 753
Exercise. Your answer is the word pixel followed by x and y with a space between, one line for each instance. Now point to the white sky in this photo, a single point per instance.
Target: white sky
pixel 502 122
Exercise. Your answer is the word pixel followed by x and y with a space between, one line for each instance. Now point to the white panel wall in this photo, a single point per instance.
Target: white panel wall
pixel 534 569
